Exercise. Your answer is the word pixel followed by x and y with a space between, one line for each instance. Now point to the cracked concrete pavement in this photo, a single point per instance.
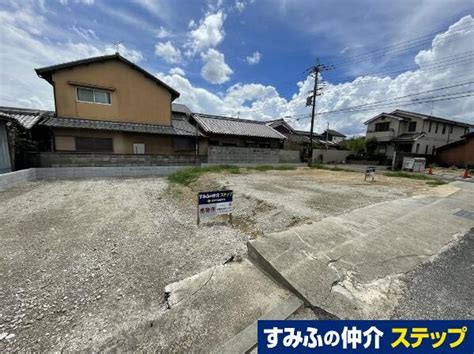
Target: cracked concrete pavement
pixel 353 265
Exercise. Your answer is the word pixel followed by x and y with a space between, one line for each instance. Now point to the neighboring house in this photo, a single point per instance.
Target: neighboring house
pixel 332 136
pixel 459 153
pixel 110 105
pixel 236 132
pixel 299 139
pixel 5 159
pixel 402 132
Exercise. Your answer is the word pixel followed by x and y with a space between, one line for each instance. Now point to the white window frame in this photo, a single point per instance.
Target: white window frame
pixel 93 95
pixel 136 148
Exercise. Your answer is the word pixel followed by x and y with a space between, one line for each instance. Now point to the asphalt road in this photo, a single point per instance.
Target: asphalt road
pixel 443 289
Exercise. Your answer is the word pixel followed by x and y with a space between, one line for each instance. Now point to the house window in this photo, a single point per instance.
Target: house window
pixel 417 148
pixel 184 144
pixel 451 128
pixel 437 125
pixel 382 127
pixel 429 129
pixel 94 144
pixel 139 148
pixel 444 129
pixel 412 126
pixel 433 150
pixel 93 95
pixel 426 150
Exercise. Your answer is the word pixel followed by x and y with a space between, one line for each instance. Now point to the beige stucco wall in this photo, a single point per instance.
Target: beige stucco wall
pixel 135 98
pixel 122 142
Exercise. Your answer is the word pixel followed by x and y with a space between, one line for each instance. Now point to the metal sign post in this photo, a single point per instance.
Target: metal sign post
pixel 370 172
pixel 214 203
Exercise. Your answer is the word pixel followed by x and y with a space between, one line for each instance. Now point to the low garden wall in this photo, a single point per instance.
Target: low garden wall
pixel 73 159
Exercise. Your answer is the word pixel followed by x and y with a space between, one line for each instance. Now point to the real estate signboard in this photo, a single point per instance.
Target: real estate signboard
pixel 214 203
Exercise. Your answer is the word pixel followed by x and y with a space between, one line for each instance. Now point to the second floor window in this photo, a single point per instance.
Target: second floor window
pixel 412 126
pixel 382 127
pixel 84 94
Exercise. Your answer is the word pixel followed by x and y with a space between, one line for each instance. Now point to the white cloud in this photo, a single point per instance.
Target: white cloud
pixel 177 71
pixel 168 52
pixel 19 84
pixel 84 2
pixel 214 5
pixel 86 34
pixel 215 70
pixel 256 101
pixel 208 34
pixel 240 5
pixel 162 33
pixel 254 58
pixel 24 33
pixel 131 54
pixel 156 8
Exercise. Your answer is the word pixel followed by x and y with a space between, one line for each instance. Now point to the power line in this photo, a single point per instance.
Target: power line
pixel 454 60
pixel 392 99
pixel 397 47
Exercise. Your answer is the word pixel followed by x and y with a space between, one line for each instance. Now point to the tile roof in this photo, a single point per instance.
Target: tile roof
pixel 333 133
pixel 235 126
pixel 48 70
pixel 178 127
pixel 464 140
pixel 409 137
pixel 304 132
pixel 27 118
pixel 180 108
pixel 407 114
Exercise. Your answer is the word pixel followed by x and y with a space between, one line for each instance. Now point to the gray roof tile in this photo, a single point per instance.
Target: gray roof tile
pixel 178 127
pixel 27 118
pixel 234 126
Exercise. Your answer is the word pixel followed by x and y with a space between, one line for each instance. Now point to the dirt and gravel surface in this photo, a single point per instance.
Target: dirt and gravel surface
pixel 82 260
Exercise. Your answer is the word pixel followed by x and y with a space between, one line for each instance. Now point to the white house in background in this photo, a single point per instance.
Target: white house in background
pixel 410 132
pixel 333 136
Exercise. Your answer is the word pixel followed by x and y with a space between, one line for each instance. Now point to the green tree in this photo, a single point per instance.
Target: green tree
pixel 355 144
pixel 371 145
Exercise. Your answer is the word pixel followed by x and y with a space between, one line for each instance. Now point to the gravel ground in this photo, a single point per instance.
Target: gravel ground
pixel 82 260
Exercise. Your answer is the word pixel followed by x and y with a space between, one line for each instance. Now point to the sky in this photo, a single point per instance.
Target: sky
pixel 248 58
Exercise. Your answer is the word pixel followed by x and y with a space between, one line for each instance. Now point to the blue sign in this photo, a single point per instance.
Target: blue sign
pixel 215 197
pixel 366 336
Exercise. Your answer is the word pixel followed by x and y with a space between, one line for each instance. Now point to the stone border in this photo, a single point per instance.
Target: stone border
pixel 11 179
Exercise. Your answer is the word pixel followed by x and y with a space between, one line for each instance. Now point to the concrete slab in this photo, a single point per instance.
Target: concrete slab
pixel 352 265
pixel 208 310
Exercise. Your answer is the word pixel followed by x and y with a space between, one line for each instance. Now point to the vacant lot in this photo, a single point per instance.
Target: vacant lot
pixel 82 260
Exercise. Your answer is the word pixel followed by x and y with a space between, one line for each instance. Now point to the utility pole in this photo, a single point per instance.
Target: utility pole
pixel 314 71
pixel 327 136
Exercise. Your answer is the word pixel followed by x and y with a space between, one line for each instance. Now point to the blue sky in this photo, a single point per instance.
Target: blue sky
pixel 244 57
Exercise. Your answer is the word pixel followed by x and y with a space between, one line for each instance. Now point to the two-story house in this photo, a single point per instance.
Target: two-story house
pixel 108 104
pixel 409 132
pixel 332 135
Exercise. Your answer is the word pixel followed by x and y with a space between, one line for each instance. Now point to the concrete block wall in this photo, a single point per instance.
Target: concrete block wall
pixel 231 154
pixel 89 172
pixel 290 156
pixel 330 156
pixel 67 159
pixel 11 179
